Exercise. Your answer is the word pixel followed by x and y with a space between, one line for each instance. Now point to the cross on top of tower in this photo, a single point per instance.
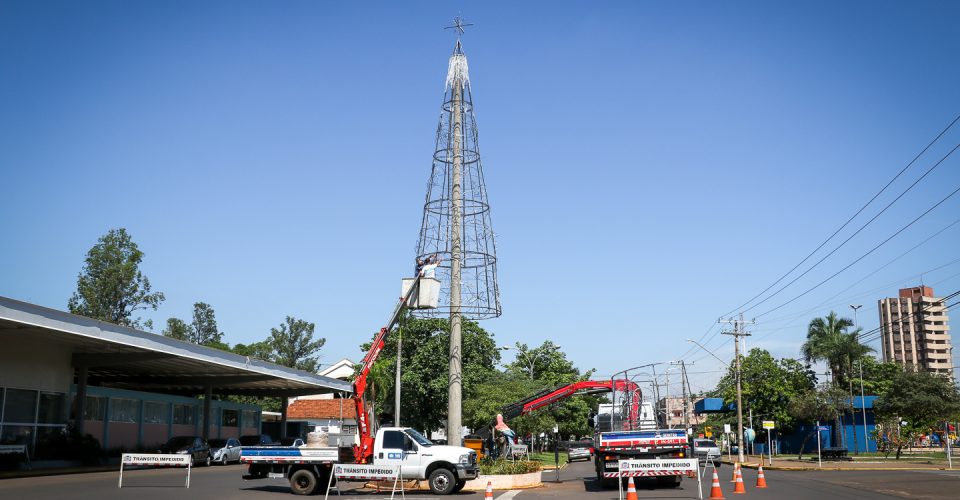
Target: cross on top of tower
pixel 458 25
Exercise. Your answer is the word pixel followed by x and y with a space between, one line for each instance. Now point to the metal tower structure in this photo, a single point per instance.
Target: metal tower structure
pixel 456 223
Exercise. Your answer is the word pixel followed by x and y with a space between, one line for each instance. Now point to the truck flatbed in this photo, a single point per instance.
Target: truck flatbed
pixel 288 455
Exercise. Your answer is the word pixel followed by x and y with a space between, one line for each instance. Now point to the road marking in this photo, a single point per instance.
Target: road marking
pixel 508 495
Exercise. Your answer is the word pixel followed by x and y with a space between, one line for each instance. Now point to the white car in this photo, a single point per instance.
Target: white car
pixel 224 451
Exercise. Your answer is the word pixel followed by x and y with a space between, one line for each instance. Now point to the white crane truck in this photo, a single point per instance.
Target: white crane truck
pixel 447 468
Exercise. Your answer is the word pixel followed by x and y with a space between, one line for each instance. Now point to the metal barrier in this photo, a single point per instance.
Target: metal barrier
pixel 360 472
pixel 156 459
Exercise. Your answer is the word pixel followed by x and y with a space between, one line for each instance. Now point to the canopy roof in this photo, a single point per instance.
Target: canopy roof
pixel 126 358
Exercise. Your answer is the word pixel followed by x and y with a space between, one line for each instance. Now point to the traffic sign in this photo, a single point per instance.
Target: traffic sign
pixel 768 424
pixel 823 428
pixel 726 428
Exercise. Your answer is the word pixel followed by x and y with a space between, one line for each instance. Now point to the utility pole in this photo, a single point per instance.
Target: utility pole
pixel 683 388
pixel 737 333
pixel 455 392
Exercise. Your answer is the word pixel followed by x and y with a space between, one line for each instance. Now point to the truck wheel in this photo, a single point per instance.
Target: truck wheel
pixel 303 482
pixel 442 482
pixel 460 484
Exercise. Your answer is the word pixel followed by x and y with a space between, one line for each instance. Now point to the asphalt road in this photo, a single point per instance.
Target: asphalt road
pixel 577 482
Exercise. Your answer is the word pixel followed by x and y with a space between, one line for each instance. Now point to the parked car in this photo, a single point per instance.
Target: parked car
pixel 588 442
pixel 578 450
pixel 291 441
pixel 256 440
pixel 225 451
pixel 706 450
pixel 195 446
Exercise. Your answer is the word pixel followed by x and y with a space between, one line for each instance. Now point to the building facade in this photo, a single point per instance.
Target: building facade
pixel 915 331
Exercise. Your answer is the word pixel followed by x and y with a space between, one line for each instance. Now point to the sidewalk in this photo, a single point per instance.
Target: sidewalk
pixel 790 462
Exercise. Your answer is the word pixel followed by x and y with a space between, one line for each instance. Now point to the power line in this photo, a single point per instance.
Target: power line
pixel 848 266
pixel 854 216
pixel 864 226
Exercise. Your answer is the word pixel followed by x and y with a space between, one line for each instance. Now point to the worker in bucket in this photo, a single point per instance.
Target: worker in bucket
pixel 430 265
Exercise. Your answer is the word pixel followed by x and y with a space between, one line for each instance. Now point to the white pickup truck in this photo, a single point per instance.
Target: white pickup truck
pixel 447 468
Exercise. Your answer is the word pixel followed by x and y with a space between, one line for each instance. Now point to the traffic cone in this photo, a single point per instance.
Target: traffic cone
pixel 489 493
pixel 715 492
pixel 736 467
pixel 738 488
pixel 761 481
pixel 631 490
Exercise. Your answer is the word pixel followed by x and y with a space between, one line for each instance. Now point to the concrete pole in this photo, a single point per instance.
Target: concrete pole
pixel 207 396
pixel 740 440
pixel 455 388
pixel 863 399
pixel 79 423
pixel 284 403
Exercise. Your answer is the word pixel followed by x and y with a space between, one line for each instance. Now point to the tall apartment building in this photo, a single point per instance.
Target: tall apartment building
pixel 915 331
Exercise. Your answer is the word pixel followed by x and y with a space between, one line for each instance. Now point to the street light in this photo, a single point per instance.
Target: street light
pixel 863 405
pixel 526 354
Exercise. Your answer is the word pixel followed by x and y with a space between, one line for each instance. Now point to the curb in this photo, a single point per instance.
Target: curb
pixel 753 466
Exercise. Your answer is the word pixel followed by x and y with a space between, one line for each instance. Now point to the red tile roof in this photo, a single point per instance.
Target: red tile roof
pixel 322 408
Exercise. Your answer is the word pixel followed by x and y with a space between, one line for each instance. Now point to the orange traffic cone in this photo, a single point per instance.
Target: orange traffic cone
pixel 715 492
pixel 489 493
pixel 631 490
pixel 761 481
pixel 736 467
pixel 738 488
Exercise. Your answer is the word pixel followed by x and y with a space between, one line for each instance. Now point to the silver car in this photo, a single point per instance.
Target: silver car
pixel 224 451
pixel 578 451
pixel 706 450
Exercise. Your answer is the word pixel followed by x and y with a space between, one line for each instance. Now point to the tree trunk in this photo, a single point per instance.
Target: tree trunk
pixel 899 448
pixel 804 445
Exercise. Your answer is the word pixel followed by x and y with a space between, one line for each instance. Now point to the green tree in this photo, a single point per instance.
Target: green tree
pixel 768 385
pixel 293 345
pixel 257 350
pixel 425 357
pixel 111 287
pixel 203 328
pixel 878 377
pixel 177 329
pixel 922 399
pixel 828 340
pixel 820 404
pixel 546 363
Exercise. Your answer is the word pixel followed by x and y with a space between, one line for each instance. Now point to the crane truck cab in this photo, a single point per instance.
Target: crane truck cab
pixel 446 468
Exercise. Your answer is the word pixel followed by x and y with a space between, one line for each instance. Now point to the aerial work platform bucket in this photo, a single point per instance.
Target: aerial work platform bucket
pixel 428 297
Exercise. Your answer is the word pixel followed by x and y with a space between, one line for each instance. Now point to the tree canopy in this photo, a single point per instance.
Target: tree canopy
pixel 425 357
pixel 111 287
pixel 292 344
pixel 829 341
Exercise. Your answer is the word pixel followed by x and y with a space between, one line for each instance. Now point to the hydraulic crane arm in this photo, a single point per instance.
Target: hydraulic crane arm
pixel 364 450
pixel 561 392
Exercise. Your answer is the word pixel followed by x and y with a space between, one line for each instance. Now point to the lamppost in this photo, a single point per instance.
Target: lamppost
pixel 863 405
pixel 526 355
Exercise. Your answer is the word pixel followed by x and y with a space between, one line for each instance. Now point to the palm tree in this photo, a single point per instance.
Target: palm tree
pixel 829 341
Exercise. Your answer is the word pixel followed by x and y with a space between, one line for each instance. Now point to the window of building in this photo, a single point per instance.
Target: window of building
pixel 51 408
pixel 95 408
pixel 229 418
pixel 124 410
pixel 250 418
pixel 156 412
pixel 183 414
pixel 20 406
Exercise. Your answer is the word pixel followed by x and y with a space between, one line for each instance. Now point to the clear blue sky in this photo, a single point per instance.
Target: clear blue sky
pixel 650 165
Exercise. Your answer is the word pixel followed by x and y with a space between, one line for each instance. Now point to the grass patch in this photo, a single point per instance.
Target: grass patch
pixel 490 467
pixel 547 458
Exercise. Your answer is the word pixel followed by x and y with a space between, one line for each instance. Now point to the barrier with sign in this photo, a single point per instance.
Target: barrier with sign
pixel 155 459
pixel 16 449
pixel 364 472
pixel 656 468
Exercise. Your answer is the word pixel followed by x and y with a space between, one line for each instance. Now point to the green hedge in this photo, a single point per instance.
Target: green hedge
pixel 490 467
